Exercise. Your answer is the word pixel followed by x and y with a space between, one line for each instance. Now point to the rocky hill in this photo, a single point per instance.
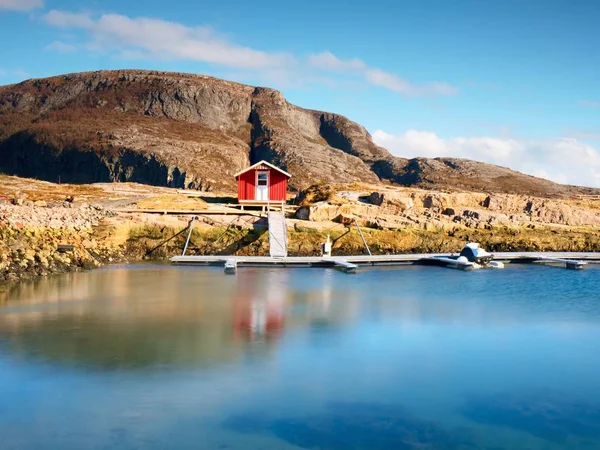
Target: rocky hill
pixel 181 130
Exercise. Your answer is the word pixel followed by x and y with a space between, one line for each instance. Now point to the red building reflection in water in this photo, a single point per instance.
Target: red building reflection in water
pixel 259 309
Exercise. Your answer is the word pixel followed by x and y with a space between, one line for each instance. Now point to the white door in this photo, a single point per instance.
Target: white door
pixel 262 186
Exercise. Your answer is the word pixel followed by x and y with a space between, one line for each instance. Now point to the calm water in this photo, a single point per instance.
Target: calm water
pixel 157 357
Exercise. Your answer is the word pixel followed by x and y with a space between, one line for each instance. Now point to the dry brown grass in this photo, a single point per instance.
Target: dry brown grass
pixel 172 202
pixel 444 241
pixel 30 189
pixel 587 203
pixel 35 190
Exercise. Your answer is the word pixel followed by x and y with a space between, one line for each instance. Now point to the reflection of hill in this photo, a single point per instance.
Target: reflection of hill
pixel 88 340
pixel 130 317
pixel 127 318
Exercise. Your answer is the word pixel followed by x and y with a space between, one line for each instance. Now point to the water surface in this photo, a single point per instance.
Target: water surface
pixel 156 357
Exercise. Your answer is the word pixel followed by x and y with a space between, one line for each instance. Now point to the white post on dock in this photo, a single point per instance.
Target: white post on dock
pixel 326 248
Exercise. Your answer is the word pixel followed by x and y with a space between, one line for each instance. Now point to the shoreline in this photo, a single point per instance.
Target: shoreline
pixel 106 223
pixel 30 254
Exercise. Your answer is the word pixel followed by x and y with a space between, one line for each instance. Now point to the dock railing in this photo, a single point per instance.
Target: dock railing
pixel 363 238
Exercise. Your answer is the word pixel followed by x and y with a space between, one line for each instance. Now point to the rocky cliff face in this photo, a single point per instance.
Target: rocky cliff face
pixel 194 131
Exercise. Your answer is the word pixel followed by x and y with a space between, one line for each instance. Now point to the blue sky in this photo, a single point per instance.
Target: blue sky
pixel 513 82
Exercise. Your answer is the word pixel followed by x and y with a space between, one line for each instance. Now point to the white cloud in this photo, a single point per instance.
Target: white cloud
pixel 61 47
pixel 159 39
pixel 68 20
pixel 590 103
pixel 326 61
pixel 402 86
pixel 21 5
pixel 563 160
pixel 154 38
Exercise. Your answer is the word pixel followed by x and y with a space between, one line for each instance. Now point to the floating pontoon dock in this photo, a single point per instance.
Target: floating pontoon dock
pixel 571 260
pixel 278 249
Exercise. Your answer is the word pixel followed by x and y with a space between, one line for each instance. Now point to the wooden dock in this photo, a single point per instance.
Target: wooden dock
pixel 567 263
pixel 195 212
pixel 350 264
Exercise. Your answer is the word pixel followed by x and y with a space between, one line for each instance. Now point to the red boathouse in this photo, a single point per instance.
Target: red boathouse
pixel 262 183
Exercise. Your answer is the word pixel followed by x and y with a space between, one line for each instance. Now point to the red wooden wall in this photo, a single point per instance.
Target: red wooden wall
pixel 277 186
pixel 247 185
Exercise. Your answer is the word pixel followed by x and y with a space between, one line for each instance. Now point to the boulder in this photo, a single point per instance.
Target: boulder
pixel 477 216
pixel 322 211
pixel 392 201
pixel 318 212
pixel 303 213
pixel 315 194
pixel 345 219
pixel 435 201
pixel 376 198
pixel 504 203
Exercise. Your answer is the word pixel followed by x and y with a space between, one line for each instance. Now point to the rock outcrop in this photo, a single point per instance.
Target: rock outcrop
pixel 192 131
pixel 393 208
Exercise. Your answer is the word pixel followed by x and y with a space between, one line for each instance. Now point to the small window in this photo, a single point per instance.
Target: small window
pixel 262 179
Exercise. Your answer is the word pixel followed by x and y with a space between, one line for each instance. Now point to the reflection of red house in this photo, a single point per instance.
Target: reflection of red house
pixel 258 319
pixel 262 183
pixel 259 308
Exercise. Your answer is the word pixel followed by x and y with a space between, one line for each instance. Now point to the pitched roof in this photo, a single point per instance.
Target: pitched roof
pixel 263 163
